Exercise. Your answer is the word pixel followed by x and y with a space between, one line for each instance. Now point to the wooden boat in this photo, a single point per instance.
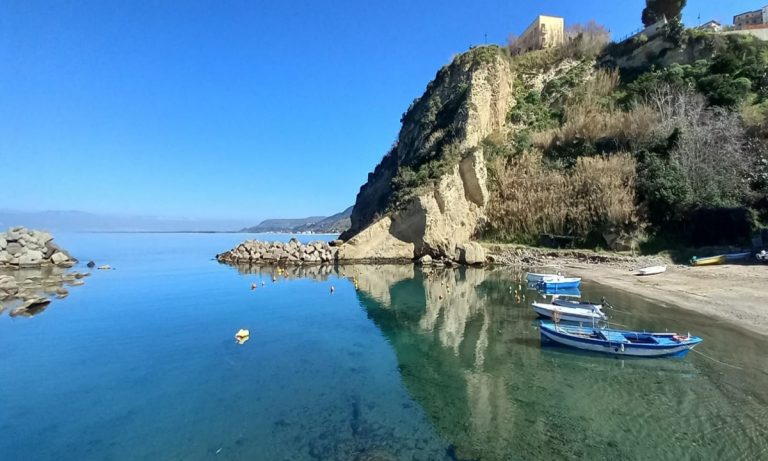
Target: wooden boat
pixel 569 314
pixel 711 261
pixel 533 277
pixel 617 342
pixel 559 283
pixel 653 270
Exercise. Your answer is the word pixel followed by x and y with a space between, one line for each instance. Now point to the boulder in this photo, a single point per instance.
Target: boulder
pixel 3 243
pixel 471 254
pixel 4 257
pixel 91 264
pixel 14 248
pixel 31 258
pixel 51 248
pixel 59 258
pixel 43 237
pixel 426 260
pixel 12 236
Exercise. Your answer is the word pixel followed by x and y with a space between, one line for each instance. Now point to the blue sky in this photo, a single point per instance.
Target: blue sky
pixel 232 109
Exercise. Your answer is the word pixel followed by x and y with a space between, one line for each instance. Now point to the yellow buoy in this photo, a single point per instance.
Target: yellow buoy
pixel 242 336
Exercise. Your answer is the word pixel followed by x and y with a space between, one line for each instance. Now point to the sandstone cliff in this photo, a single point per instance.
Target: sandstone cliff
pixel 429 192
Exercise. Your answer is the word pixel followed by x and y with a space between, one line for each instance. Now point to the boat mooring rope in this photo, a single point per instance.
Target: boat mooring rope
pixel 715 360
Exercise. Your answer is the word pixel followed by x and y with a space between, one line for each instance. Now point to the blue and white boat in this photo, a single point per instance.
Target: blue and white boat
pixel 534 277
pixel 617 342
pixel 559 299
pixel 570 314
pixel 559 283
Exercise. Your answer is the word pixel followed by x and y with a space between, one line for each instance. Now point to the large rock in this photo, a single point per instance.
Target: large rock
pixel 14 248
pixel 432 223
pixel 471 254
pixel 378 242
pixel 12 235
pixel 3 242
pixel 59 258
pixel 452 210
pixel 31 258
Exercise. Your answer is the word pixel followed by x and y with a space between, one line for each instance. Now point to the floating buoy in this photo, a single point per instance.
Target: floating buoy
pixel 242 336
pixel 332 289
pixel 253 286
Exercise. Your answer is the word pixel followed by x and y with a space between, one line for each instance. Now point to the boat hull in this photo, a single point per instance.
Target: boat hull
pixel 712 261
pixel 654 270
pixel 567 314
pixel 533 277
pixel 550 285
pixel 577 304
pixel 549 336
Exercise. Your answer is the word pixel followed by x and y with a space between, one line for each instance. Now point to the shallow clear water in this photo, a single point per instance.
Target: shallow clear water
pixel 141 363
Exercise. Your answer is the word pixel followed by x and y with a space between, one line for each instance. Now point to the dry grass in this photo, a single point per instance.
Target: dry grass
pixel 591 115
pixel 602 194
pixel 531 199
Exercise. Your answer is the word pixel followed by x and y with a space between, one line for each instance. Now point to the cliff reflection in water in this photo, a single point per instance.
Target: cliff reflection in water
pixel 468 352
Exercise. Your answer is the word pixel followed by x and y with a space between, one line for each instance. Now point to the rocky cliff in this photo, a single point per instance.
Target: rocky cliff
pixel 429 192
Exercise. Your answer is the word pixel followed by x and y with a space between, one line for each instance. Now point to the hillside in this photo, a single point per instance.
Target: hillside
pixel 642 141
pixel 336 223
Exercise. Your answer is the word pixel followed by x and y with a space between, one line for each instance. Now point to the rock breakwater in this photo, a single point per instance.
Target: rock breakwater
pixel 292 252
pixel 33 271
pixel 24 248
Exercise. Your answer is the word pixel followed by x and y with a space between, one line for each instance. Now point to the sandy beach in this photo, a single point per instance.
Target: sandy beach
pixel 737 294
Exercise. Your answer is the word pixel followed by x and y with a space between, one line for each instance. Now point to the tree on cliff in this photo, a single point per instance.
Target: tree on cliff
pixel 655 10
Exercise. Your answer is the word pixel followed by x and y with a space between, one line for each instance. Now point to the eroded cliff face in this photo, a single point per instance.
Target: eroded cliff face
pixel 468 101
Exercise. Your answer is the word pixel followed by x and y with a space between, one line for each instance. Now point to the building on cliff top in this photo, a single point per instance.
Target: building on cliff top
pixel 757 19
pixel 544 32
pixel 711 26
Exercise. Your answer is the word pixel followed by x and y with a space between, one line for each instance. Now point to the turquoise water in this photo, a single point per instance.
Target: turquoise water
pixel 141 363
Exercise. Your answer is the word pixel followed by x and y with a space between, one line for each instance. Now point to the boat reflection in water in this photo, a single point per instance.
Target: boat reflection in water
pixel 468 351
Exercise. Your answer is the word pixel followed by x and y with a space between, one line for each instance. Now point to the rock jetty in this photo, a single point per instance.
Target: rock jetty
pixel 291 252
pixel 24 248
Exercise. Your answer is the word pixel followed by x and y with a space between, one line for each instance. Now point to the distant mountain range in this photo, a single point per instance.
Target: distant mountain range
pixel 335 224
pixel 79 221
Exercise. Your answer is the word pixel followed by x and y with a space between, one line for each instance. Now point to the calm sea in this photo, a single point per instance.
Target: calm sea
pixel 141 363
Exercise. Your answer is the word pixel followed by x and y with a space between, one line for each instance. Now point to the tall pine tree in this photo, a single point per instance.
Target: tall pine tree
pixel 657 9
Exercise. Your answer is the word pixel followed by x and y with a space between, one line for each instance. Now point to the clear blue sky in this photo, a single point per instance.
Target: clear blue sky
pixel 232 109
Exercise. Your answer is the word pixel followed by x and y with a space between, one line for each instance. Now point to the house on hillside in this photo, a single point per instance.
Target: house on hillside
pixel 711 26
pixel 757 19
pixel 544 32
